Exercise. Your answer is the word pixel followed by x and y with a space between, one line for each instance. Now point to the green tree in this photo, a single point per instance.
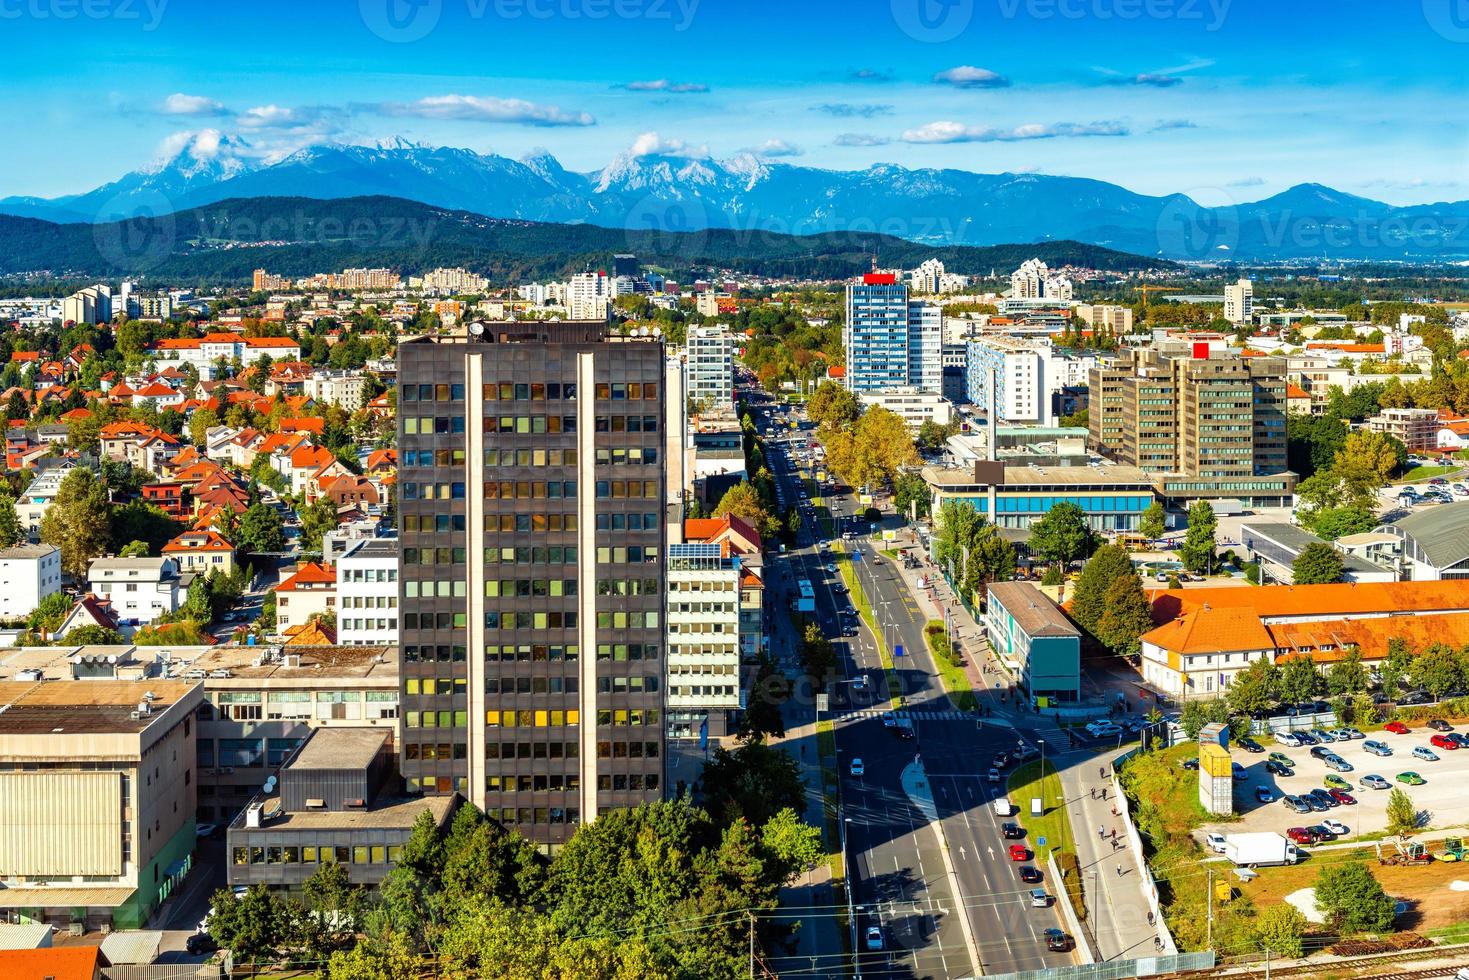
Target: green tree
pixel 316 520
pixel 743 501
pixel 79 521
pixel 1366 462
pixel 1395 667
pixel 1299 680
pixel 1108 564
pixel 817 655
pixel 1197 551
pixel 11 532
pixel 1347 676
pixel 1352 899
pixel 754 783
pixel 833 405
pixel 93 635
pixel 1402 814
pixel 335 904
pixel 1317 564
pixel 1335 522
pixel 1438 670
pixel 1280 929
pixel 1256 688
pixel 931 435
pixel 261 530
pixel 389 958
pixel 200 422
pixel 134 549
pixel 143 522
pixel 1126 616
pixel 911 495
pixel 259 925
pixel 49 613
pixel 1062 535
pixel 1312 442
pixel 872 451
pixel 1154 521
pixel 1199 712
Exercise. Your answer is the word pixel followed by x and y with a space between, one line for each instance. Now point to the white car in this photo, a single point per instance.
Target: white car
pixel 1215 842
pixel 1336 827
pixel 857 768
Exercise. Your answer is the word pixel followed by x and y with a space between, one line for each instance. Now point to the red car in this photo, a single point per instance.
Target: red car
pixel 1342 796
pixel 1303 835
pixel 1444 742
pixel 1396 727
pixel 1019 852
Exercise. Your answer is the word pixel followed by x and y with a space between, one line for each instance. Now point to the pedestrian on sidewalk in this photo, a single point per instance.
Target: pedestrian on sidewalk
pixel 1119 871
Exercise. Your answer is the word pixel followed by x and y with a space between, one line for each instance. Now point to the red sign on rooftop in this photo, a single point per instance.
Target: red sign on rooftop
pixel 879 279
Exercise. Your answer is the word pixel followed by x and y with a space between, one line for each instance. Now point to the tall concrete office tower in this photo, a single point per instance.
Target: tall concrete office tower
pixel 533 554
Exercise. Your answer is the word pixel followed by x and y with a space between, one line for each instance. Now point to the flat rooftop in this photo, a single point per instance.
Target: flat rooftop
pixel 384 814
pixel 340 748
pixel 83 707
pixel 377 663
pixel 1024 477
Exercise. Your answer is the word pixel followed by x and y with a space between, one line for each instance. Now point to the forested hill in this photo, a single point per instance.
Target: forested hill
pixel 225 242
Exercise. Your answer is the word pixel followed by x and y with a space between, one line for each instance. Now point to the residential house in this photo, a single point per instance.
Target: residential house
pixel 140 589
pixel 170 496
pixel 344 489
pixel 307 591
pixel 89 610
pixel 202 552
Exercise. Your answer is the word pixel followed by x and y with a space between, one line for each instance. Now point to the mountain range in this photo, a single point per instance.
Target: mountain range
pixel 669 194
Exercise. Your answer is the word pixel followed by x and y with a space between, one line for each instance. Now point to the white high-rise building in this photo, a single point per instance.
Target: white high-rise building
pixel 709 366
pixel 891 341
pixel 1239 301
pixel 367 593
pixel 90 305
pixel 1033 280
pixel 588 296
pixel 703 682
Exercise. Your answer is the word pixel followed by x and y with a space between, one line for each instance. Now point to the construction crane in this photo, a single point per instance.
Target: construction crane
pixel 1145 289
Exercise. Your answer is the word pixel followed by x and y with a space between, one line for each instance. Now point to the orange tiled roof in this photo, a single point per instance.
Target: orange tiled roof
pixel 55 962
pixel 309 573
pixel 194 541
pixel 1295 391
pixel 1211 630
pixel 1324 601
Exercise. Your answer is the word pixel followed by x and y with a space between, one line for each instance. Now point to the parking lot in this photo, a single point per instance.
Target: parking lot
pixel 1441 795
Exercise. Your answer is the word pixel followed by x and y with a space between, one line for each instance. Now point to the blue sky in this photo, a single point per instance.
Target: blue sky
pixel 1226 100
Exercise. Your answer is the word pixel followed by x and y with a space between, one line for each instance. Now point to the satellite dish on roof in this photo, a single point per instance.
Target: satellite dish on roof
pixel 477 328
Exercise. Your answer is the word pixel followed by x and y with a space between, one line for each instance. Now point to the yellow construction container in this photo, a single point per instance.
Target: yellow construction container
pixel 1215 761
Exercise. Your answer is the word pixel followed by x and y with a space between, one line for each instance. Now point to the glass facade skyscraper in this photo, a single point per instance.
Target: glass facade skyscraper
pixel 891 342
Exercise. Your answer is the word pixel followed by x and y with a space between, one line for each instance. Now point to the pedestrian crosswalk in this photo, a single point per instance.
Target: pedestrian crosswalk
pixel 914 715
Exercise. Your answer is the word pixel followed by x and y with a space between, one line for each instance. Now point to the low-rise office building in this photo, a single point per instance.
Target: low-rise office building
pixel 703 640
pixel 1276 545
pixel 1033 638
pixel 28 574
pixel 97 790
pixel 1112 497
pixel 338 800
pixel 367 593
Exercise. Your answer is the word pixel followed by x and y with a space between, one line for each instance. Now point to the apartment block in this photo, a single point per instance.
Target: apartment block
pixel 709 367
pixel 703 640
pixel 533 570
pixel 367 593
pixel 28 574
pixel 1209 421
pixel 1416 428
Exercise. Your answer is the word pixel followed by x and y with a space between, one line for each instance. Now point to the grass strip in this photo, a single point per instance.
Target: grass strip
pixel 1028 782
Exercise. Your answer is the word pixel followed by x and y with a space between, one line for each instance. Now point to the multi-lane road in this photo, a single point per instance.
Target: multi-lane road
pixel 935 914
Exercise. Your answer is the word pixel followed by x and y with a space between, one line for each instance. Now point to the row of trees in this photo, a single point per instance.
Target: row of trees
pixel 972 549
pixel 666 889
pixel 1109 601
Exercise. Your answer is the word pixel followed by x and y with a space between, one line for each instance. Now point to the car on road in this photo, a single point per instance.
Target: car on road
pixel 1410 778
pixel 831 569
pixel 1251 746
pixel 1303 835
pixel 1341 734
pixel 1276 768
pixel 1321 751
pixel 1039 899
pixel 1333 781
pixel 857 768
pixel 1012 831
pixel 1296 803
pixel 993 775
pixel 1396 727
pixel 1343 797
pixel 1322 735
pixel 1001 760
pixel 1263 794
pixel 1439 725
pixel 1057 941
pixel 1425 753
pixel 1019 852
pixel 1374 781
pixel 1335 827
pixel 1444 742
pixel 872 938
pixel 1030 875
pixel 1376 747
pixel 1306 738
pixel 1215 842
pixel 1354 733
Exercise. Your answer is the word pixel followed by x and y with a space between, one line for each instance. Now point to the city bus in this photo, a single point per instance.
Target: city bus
pixel 805 598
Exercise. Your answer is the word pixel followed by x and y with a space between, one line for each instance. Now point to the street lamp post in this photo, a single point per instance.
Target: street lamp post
pixel 851 908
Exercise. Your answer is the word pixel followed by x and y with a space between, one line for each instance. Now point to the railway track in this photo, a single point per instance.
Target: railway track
pixel 1376 967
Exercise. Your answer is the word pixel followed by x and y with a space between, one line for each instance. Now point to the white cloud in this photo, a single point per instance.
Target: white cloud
pixel 651 144
pixel 860 139
pixel 775 148
pixel 1165 124
pixel 664 85
pixel 968 76
pixel 488 109
pixel 179 104
pixel 847 110
pixel 946 131
pixel 279 117
pixel 1247 182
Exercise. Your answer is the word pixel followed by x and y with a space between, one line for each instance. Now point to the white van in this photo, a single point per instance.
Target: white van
pixel 1003 807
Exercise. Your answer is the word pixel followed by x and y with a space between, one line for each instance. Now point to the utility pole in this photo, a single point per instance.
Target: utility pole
pixel 1211 909
pixel 752 945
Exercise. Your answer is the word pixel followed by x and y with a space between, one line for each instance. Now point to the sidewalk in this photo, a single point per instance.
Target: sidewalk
pixel 1117 913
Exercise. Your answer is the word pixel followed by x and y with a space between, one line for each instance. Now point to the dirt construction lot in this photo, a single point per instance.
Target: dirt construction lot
pixel 1443 796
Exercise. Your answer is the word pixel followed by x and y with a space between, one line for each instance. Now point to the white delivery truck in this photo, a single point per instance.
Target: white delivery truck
pixel 1259 850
